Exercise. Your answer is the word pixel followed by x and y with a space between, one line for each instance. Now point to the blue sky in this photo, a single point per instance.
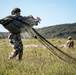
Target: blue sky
pixel 52 12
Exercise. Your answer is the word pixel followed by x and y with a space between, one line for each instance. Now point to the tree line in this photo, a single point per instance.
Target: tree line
pixel 55 31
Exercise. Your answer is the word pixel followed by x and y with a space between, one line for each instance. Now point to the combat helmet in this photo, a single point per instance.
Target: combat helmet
pixel 15 10
pixel 69 38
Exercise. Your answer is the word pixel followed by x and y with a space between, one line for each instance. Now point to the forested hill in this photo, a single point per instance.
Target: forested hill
pixel 58 31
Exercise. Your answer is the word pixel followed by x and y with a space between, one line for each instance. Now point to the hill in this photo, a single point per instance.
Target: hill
pixel 3 34
pixel 56 31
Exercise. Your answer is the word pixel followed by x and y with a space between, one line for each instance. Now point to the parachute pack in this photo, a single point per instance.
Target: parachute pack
pixel 15 24
pixel 12 24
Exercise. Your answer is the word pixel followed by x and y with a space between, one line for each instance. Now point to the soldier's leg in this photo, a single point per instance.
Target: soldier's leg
pixel 14 44
pixel 14 53
pixel 20 55
pixel 20 51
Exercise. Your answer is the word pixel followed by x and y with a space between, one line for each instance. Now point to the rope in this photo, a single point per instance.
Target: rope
pixel 48 45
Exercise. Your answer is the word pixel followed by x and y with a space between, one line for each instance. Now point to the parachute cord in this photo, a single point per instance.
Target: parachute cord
pixel 48 47
pixel 42 38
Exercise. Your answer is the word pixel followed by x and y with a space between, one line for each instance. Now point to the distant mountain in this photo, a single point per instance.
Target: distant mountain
pixel 3 34
pixel 56 31
pixel 59 31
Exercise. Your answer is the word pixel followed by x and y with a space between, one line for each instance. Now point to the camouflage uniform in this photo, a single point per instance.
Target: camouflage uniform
pixel 15 40
pixel 14 23
pixel 14 36
pixel 70 42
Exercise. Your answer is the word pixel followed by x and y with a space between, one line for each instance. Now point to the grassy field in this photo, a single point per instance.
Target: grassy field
pixel 36 60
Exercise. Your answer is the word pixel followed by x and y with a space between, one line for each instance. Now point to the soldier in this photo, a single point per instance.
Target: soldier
pixel 70 42
pixel 15 39
pixel 14 35
pixel 13 23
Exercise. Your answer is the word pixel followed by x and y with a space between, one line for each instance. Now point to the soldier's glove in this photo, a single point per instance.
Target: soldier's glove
pixel 38 19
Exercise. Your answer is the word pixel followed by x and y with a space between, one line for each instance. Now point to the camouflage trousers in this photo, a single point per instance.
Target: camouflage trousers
pixel 15 40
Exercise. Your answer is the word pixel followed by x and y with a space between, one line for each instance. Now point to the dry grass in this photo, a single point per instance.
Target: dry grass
pixel 36 61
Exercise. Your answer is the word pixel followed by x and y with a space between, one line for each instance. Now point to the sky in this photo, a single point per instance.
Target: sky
pixel 51 12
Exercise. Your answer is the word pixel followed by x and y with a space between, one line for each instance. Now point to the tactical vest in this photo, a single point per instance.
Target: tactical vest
pixel 13 24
